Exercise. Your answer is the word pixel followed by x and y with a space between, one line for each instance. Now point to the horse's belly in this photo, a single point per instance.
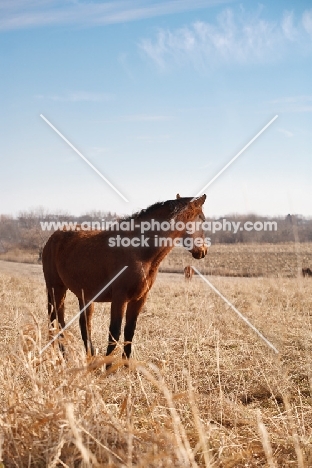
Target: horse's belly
pixel 92 284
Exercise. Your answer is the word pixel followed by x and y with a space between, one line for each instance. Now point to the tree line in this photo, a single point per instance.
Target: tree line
pixel 24 231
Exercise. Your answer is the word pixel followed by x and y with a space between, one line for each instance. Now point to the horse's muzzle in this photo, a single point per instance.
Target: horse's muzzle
pixel 200 253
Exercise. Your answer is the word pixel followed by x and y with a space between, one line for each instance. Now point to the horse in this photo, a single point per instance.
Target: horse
pixel 306 272
pixel 188 272
pixel 85 261
pixel 40 255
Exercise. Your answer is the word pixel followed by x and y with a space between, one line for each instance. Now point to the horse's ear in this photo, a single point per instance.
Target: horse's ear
pixel 178 196
pixel 200 201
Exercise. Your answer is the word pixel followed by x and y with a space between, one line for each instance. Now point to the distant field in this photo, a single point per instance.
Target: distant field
pixel 205 392
pixel 247 260
pixel 20 256
pixel 267 260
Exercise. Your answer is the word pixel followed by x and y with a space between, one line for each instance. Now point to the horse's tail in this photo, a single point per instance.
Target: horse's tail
pixel 50 254
pixel 50 305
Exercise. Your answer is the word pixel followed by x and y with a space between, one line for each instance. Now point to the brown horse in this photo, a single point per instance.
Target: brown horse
pixel 306 272
pixel 40 255
pixel 188 272
pixel 84 262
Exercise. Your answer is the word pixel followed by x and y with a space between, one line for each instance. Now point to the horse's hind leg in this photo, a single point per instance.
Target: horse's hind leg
pixel 85 326
pixel 56 307
pixel 51 309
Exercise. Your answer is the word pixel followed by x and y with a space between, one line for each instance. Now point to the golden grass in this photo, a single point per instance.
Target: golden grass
pixel 20 255
pixel 202 390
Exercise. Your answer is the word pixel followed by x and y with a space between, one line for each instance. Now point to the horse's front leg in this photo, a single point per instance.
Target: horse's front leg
pixel 118 308
pixel 133 310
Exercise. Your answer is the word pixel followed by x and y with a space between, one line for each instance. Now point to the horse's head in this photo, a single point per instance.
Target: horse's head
pixel 194 237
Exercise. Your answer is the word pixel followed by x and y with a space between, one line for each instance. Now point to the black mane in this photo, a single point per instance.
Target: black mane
pixel 175 206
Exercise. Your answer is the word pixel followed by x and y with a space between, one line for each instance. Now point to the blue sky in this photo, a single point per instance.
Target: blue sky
pixel 159 96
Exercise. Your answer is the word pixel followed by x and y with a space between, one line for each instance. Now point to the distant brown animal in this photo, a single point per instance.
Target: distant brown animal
pixel 85 261
pixel 40 255
pixel 306 272
pixel 188 272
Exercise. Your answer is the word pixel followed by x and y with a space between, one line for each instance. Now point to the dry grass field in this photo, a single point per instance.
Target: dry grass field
pixel 20 256
pixel 247 260
pixel 202 390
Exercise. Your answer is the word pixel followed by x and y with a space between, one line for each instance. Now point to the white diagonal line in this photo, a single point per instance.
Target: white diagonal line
pixel 238 312
pixel 235 157
pixel 83 309
pixel 84 158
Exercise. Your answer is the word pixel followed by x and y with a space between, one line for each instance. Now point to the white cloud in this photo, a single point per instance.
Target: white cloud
pixel 17 14
pixel 287 133
pixel 152 139
pixel 23 4
pixel 293 99
pixel 78 96
pixel 97 151
pixel 139 118
pixel 293 104
pixel 307 21
pixel 289 30
pixel 232 38
pixel 146 118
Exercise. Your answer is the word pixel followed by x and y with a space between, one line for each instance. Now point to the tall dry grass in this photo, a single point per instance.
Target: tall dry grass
pixel 20 256
pixel 202 389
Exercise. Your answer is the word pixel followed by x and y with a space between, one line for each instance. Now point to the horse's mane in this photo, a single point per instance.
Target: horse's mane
pixel 175 206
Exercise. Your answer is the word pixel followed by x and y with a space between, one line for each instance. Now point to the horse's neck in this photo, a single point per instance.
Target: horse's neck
pixel 154 254
pixel 159 254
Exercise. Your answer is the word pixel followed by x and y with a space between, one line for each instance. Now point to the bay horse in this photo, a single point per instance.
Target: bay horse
pixel 40 255
pixel 85 261
pixel 306 272
pixel 188 272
